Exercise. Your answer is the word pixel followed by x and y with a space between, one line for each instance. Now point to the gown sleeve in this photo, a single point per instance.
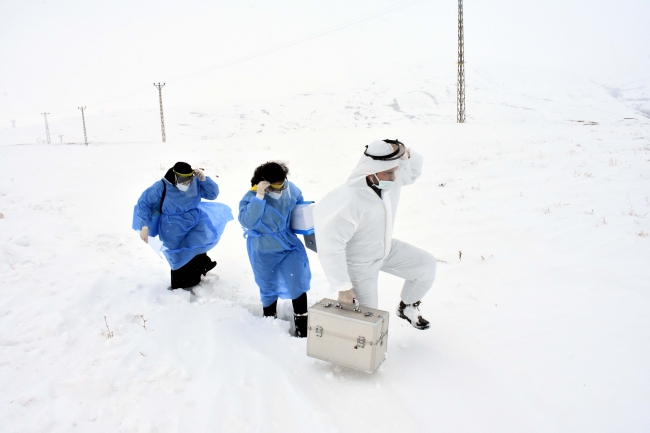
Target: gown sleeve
pixel 149 204
pixel 298 193
pixel 208 189
pixel 251 210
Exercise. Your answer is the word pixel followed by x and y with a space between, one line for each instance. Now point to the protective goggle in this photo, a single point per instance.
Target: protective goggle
pixel 183 178
pixel 401 150
pixel 277 188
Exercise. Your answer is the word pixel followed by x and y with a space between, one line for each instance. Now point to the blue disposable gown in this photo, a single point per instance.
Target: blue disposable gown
pixel 278 258
pixel 187 226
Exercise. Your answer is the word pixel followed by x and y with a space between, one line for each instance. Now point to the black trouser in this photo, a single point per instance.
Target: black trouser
pixel 299 306
pixel 190 274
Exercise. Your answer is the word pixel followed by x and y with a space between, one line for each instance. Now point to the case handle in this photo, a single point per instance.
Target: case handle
pixel 355 301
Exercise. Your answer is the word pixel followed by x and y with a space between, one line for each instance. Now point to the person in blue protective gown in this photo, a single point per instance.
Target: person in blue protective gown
pixel 278 257
pixel 172 210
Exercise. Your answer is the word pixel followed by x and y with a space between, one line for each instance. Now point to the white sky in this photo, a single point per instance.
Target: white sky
pixel 56 56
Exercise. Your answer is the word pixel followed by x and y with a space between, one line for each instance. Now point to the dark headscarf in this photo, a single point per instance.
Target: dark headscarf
pixel 181 168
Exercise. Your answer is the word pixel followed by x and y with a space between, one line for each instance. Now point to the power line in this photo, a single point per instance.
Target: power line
pixel 370 16
pixel 384 11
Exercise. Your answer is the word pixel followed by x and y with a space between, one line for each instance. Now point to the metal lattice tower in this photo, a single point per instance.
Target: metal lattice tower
pixel 47 127
pixel 83 119
pixel 460 102
pixel 162 118
pixel 61 138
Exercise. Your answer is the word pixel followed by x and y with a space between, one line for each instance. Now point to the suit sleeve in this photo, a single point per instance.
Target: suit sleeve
pixel 334 227
pixel 410 169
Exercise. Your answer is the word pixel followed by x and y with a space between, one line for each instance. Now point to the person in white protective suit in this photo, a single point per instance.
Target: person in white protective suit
pixel 354 226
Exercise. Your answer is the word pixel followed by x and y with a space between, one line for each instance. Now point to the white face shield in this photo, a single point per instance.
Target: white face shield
pixel 190 189
pixel 185 183
pixel 182 179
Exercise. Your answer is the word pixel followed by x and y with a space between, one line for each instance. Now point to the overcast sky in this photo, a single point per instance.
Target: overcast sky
pixel 58 55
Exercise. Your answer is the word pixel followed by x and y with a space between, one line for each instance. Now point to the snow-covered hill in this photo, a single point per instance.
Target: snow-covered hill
pixel 542 326
pixel 495 93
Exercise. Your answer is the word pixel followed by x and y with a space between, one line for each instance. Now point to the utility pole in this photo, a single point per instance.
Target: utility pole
pixel 460 102
pixel 13 123
pixel 162 118
pixel 83 119
pixel 61 138
pixel 47 127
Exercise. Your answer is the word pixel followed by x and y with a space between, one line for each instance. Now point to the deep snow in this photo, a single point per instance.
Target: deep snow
pixel 542 326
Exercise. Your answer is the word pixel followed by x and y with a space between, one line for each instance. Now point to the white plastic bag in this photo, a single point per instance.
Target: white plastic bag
pixel 157 246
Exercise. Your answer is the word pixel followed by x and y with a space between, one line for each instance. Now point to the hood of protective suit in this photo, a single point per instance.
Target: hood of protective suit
pixel 367 165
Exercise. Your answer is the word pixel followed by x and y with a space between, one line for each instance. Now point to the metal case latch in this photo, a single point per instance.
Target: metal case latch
pixel 319 331
pixel 361 342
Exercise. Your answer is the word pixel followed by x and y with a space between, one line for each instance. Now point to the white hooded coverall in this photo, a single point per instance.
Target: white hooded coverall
pixel 354 228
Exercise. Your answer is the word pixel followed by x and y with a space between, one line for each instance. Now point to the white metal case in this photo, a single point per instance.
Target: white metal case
pixel 342 334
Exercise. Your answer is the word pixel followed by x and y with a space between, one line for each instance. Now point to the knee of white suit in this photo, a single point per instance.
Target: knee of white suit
pixel 429 264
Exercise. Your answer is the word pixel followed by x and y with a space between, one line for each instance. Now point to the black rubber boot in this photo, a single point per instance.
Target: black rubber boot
pixel 300 315
pixel 210 266
pixel 271 310
pixel 190 275
pixel 301 325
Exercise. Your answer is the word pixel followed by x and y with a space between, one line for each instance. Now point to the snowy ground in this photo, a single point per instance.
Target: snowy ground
pixel 541 326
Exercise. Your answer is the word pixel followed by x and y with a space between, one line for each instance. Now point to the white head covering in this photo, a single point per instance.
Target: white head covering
pixel 367 165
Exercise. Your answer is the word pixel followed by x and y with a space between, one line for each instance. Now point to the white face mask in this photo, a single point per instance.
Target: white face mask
pixel 183 187
pixel 275 195
pixel 384 184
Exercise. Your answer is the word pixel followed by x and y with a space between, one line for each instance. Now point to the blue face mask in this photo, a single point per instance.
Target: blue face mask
pixel 384 185
pixel 275 195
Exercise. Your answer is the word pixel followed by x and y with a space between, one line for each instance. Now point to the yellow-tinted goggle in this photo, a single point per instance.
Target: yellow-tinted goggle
pixel 279 187
pixel 184 179
pixel 275 187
